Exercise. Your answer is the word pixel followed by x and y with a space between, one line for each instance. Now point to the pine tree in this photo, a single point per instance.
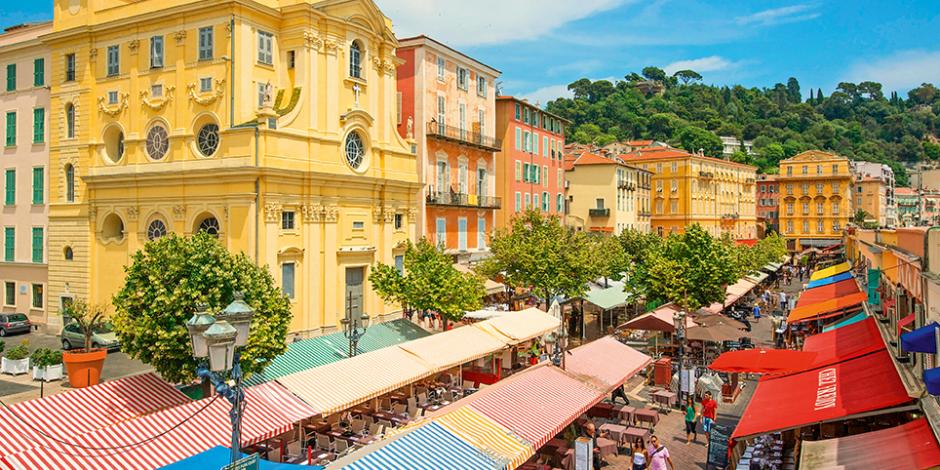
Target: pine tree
pixel 809 100
pixel 819 96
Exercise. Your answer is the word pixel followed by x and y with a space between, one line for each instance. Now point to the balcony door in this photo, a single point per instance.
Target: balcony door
pixel 443 177
pixel 481 182
pixel 462 175
pixel 354 292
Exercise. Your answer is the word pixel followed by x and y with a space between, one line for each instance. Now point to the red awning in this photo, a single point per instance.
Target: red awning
pixel 910 445
pixel 828 308
pixel 763 361
pixel 845 343
pixel 607 362
pixel 860 385
pixel 829 291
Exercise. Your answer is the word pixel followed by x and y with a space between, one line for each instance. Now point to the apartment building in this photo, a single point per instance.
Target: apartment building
pixel 448 107
pixel 886 206
pixel 607 195
pixel 815 199
pixel 768 202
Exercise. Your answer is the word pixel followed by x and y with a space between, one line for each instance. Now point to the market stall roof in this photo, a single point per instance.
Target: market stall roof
pixel 457 346
pixel 174 434
pixel 827 308
pixel 218 457
pixel 829 280
pixel 609 298
pixel 772 267
pixel 841 390
pixel 709 319
pixel 860 316
pixel 607 360
pixel 715 333
pixel 763 361
pixel 520 326
pixel 657 320
pixel 315 352
pixel 430 447
pixel 485 314
pixel 83 410
pixel 911 445
pixel 491 286
pixel 343 384
pixel 830 271
pixel 487 435
pixel 738 290
pixel 757 277
pixel 538 417
pixel 844 343
pixel 829 291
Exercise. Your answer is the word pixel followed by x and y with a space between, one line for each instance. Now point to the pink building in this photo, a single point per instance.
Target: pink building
pixel 531 172
pixel 24 103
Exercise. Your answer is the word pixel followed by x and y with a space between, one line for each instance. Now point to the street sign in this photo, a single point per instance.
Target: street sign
pixel 718 446
pixel 249 462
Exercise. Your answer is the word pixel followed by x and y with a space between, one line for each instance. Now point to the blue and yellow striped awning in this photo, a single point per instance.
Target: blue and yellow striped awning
pixel 487 435
pixel 430 447
pixel 830 271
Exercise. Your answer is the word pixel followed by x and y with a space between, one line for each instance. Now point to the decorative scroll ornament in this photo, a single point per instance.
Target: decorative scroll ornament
pixel 159 103
pixel 180 37
pixel 179 212
pixel 209 97
pixel 133 45
pixel 312 40
pixel 132 213
pixel 312 213
pixel 272 212
pixel 114 109
pixel 331 45
pixel 331 214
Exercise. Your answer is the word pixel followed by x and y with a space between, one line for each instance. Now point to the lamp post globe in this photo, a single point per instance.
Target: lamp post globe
pixel 197 325
pixel 220 339
pixel 239 315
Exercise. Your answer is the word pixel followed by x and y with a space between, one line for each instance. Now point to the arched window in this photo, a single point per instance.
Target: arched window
pixel 67 253
pixel 69 121
pixel 210 225
pixel 156 229
pixel 69 183
pixel 355 60
pixel 113 228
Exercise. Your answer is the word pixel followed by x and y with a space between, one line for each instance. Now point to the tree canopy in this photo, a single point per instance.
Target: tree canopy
pixel 429 282
pixel 165 282
pixel 858 121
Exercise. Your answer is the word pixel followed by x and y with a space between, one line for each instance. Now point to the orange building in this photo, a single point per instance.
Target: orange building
pixel 448 107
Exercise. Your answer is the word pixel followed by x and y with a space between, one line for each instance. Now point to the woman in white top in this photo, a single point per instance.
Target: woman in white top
pixel 639 454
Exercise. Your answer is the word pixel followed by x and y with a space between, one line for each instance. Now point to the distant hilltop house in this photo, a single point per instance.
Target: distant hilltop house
pixel 618 148
pixel 731 144
pixel 650 87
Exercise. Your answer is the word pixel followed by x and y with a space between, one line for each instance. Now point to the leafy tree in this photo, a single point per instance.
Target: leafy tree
pixel 429 283
pixel 612 260
pixel 932 151
pixel 540 253
pixel 686 76
pixel 88 318
pixel 654 73
pixel 165 282
pixel 693 139
pixel 793 90
pixel 860 217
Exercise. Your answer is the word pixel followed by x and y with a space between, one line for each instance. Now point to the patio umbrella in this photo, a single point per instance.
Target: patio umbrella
pixel 717 333
pixel 763 361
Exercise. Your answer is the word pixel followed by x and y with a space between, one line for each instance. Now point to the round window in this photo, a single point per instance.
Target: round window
pixel 208 139
pixel 355 150
pixel 158 142
pixel 210 225
pixel 156 229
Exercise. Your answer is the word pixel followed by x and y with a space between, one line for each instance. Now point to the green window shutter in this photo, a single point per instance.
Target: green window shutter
pixel 39 72
pixel 11 129
pixel 11 77
pixel 9 244
pixel 38 184
pixel 39 125
pixel 10 188
pixel 37 244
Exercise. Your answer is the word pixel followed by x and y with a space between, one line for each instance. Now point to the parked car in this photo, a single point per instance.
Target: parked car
pixel 14 323
pixel 104 337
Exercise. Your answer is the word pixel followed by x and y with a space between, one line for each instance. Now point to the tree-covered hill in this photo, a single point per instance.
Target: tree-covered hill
pixel 856 120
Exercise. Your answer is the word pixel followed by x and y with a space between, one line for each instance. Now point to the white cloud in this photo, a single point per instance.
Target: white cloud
pixel 899 72
pixel 545 94
pixel 789 14
pixel 705 64
pixel 483 22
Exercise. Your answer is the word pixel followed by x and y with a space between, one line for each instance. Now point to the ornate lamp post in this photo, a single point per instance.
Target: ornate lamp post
pixel 216 341
pixel 354 328
pixel 559 345
pixel 678 319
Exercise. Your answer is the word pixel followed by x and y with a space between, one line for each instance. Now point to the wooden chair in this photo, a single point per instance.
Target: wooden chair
pixel 324 443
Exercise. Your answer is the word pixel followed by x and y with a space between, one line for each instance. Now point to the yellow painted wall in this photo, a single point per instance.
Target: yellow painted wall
pixel 808 180
pixel 619 186
pixel 343 216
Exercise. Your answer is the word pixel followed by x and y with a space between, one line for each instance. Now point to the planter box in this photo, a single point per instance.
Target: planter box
pixel 17 367
pixel 48 373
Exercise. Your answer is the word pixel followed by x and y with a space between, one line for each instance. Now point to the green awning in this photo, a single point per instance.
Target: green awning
pixel 322 350
pixel 757 277
pixel 609 298
pixel 772 267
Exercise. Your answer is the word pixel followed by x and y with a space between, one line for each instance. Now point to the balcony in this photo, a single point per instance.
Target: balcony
pixel 645 214
pixel 455 199
pixel 599 212
pixel 749 181
pixel 626 185
pixel 706 174
pixel 730 217
pixel 463 136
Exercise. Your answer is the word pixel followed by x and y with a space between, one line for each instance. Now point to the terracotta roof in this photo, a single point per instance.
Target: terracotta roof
pixel 905 191
pixel 588 158
pixel 639 143
pixel 668 152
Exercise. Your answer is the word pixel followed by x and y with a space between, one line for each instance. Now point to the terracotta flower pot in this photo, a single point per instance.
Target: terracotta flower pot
pixel 84 368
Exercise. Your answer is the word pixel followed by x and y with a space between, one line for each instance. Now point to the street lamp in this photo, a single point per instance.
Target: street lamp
pixel 217 340
pixel 678 319
pixel 559 344
pixel 354 328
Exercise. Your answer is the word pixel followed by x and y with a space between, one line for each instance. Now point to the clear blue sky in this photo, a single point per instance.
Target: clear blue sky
pixel 542 45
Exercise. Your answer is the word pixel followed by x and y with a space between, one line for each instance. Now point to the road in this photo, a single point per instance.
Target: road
pixel 116 365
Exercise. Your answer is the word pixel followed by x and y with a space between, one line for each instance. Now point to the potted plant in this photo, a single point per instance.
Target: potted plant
pixel 47 364
pixel 84 365
pixel 16 359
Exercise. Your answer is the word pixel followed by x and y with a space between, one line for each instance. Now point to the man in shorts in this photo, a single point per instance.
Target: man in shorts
pixel 709 411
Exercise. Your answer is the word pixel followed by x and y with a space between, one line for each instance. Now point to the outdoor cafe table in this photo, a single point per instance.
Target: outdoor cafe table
pixel 603 410
pixel 646 415
pixel 664 398
pixel 616 431
pixel 632 433
pixel 352 438
pixel 626 414
pixel 393 418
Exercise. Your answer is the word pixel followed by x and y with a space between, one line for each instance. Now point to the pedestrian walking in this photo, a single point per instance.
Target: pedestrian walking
pixel 709 412
pixel 621 393
pixel 690 421
pixel 640 454
pixel 783 301
pixel 658 455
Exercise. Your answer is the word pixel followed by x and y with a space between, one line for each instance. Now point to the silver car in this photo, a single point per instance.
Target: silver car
pixel 14 323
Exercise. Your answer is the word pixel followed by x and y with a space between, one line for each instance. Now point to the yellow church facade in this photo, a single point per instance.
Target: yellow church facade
pixel 270 124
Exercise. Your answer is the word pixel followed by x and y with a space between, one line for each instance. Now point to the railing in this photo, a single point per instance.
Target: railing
pixel 749 181
pixel 463 136
pixel 645 214
pixel 706 174
pixel 645 186
pixel 626 185
pixel 730 216
pixel 599 212
pixel 455 199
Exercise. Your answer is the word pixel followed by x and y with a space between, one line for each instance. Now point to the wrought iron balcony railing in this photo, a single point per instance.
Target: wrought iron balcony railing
pixel 599 212
pixel 455 199
pixel 463 136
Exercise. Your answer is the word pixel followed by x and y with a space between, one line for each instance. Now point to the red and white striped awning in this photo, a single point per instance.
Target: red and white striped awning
pixel 83 410
pixel 606 363
pixel 171 435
